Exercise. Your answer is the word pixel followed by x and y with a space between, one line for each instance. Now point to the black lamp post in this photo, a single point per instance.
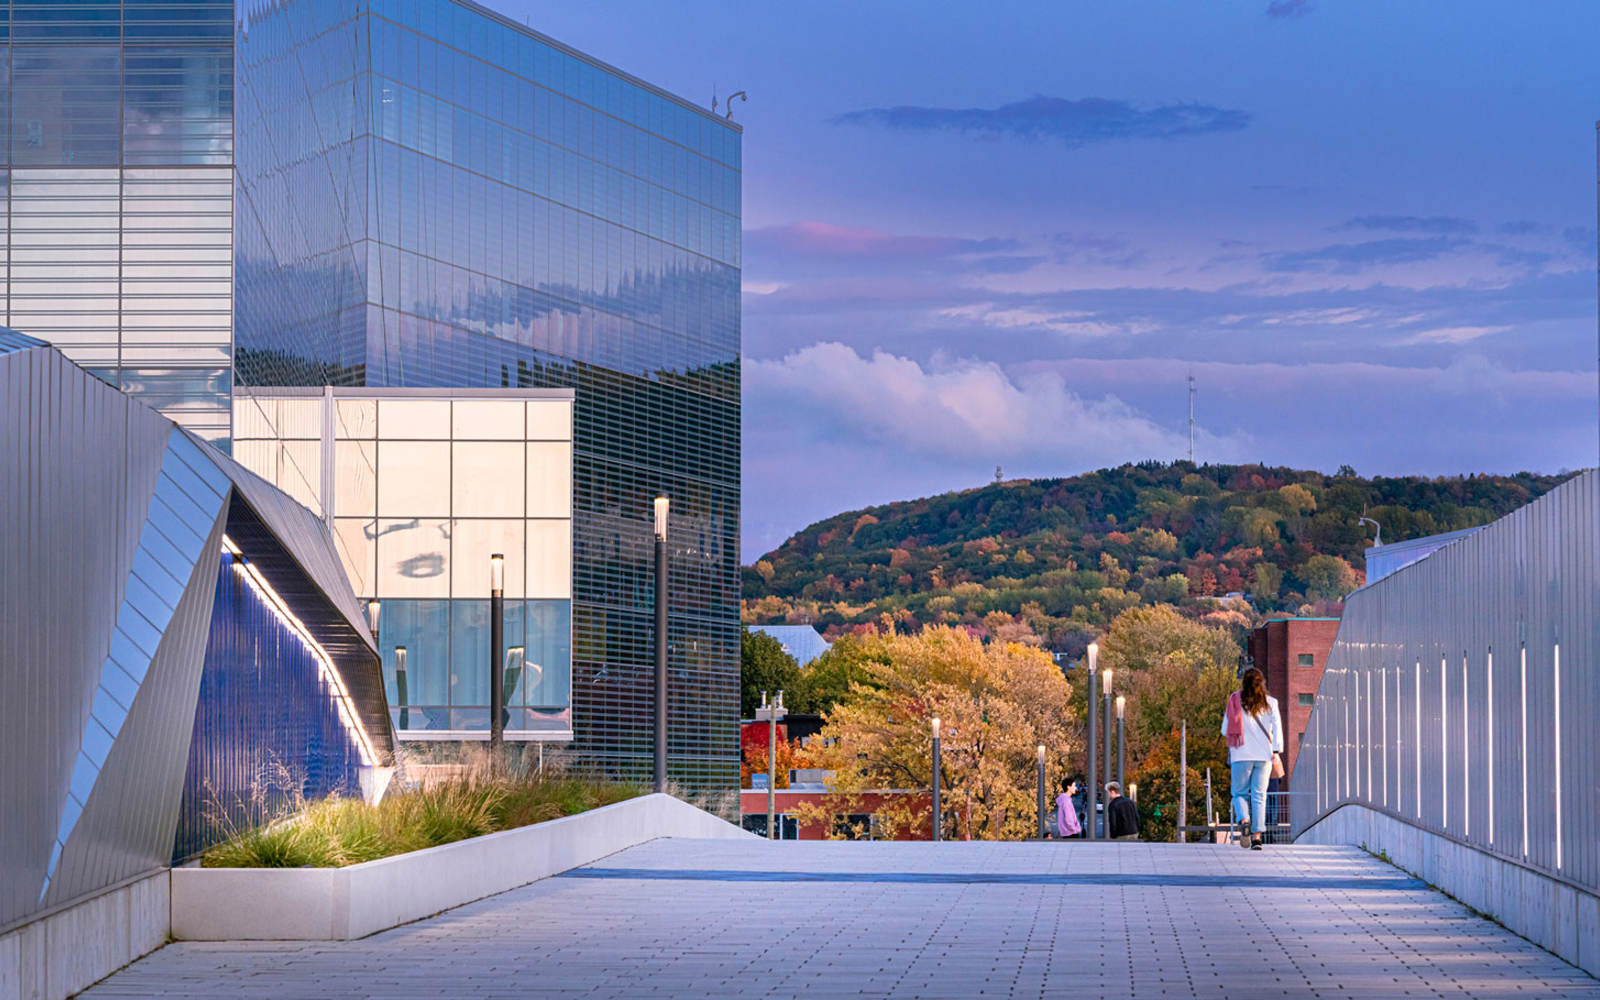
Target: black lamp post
pixel 1122 743
pixel 937 817
pixel 497 655
pixel 1042 831
pixel 1105 696
pixel 662 508
pixel 1091 804
pixel 400 685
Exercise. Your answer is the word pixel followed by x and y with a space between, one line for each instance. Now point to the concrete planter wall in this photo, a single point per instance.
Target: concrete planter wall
pixel 333 904
pixel 1550 913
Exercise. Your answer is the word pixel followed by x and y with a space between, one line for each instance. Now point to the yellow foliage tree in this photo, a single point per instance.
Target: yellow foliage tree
pixel 996 702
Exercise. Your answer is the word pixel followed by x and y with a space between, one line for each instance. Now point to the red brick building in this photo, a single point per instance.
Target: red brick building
pixel 1292 653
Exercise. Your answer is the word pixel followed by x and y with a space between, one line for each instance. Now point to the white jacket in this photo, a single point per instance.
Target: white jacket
pixel 1263 734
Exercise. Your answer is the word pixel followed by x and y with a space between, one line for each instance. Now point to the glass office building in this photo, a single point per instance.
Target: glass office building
pixel 431 196
pixel 116 132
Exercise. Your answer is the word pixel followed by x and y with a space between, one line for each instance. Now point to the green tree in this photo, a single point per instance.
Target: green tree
pixel 763 666
pixel 1327 577
pixel 828 680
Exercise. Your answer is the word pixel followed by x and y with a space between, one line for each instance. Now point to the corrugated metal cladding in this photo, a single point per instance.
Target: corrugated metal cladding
pixel 267 731
pixel 109 560
pixel 1462 691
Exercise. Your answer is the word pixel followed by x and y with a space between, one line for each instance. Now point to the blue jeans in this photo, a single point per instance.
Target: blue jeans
pixel 1248 784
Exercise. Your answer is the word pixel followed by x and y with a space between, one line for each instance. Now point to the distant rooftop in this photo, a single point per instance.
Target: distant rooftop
pixel 1383 560
pixel 802 642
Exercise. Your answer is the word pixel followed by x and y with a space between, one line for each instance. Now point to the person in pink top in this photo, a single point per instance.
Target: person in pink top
pixel 1067 824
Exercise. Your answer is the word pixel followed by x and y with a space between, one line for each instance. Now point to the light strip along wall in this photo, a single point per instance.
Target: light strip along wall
pixel 330 672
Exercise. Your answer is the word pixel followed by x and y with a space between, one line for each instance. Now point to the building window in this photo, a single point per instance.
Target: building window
pixel 756 823
pixel 1306 660
pixel 1308 698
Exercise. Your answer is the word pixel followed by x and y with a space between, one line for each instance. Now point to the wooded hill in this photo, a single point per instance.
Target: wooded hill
pixel 1053 560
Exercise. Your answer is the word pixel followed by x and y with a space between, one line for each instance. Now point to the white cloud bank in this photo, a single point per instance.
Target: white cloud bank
pixel 962 410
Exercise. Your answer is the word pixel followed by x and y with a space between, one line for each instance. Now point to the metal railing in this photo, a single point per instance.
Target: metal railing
pixel 1461 692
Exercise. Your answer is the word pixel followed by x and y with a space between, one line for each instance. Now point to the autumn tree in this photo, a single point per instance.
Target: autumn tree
pixel 827 680
pixel 1171 669
pixel 997 703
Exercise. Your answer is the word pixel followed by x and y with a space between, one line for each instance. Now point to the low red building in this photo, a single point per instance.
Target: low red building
pixel 1292 652
pixel 859 823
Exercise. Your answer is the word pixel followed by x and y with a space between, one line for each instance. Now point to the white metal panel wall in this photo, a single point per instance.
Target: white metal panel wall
pixel 1461 694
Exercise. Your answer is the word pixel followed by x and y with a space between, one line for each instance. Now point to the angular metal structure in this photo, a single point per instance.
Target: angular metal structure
pixel 1461 694
pixel 119 526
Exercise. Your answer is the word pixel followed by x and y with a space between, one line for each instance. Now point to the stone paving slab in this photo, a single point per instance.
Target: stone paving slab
pixel 692 918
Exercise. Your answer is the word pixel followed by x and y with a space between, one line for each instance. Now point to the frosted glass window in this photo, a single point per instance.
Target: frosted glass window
pixel 413 478
pixel 414 418
pixel 413 558
pixel 300 418
pixel 549 479
pixel 355 538
pixel 474 542
pixel 487 479
pixel 355 479
pixel 549 420
pixel 300 472
pixel 255 418
pixel 355 418
pixel 550 559
pixel 487 419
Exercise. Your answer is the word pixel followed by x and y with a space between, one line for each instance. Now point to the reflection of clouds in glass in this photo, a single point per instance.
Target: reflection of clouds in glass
pixel 424 565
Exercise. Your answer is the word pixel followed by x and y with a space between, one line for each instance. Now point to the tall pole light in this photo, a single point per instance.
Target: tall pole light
pixel 1122 743
pixel 497 649
pixel 400 686
pixel 1042 830
pixel 1105 697
pixel 662 509
pixel 373 607
pixel 1183 781
pixel 774 711
pixel 1091 804
pixel 937 819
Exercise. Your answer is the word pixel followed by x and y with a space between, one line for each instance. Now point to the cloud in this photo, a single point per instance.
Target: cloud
pixel 1451 335
pixel 826 239
pixel 1095 248
pixel 1348 258
pixel 1075 123
pixel 1519 227
pixel 1439 225
pixel 957 410
pixel 1290 8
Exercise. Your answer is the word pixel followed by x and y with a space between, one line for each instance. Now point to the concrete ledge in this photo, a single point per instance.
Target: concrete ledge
pixel 334 904
pixel 1555 916
pixel 60 954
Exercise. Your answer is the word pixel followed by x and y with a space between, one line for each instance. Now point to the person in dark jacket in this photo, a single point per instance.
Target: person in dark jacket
pixel 1122 816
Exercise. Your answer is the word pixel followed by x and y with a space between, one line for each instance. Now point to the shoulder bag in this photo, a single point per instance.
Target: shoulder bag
pixel 1277 759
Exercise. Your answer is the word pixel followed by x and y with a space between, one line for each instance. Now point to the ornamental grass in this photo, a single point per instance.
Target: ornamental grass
pixel 474 799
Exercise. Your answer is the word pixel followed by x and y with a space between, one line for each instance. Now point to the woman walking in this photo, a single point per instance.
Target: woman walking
pixel 1254 732
pixel 1067 824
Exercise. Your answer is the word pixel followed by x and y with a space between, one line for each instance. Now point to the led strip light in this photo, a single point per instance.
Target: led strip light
pixel 330 673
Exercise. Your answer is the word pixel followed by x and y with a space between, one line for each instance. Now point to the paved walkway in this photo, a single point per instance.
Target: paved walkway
pixel 687 918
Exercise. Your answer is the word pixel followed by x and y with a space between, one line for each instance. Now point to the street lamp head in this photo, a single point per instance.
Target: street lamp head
pixel 779 704
pixel 372 614
pixel 1121 703
pixel 1133 790
pixel 497 572
pixel 1094 656
pixel 399 659
pixel 763 699
pixel 1105 682
pixel 1041 753
pixel 663 504
pixel 935 721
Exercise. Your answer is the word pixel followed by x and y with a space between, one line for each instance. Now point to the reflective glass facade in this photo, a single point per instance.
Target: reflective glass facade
pixel 116 188
pixel 420 488
pixel 432 196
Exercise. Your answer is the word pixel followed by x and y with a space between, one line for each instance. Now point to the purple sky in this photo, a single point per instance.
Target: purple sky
pixel 1004 234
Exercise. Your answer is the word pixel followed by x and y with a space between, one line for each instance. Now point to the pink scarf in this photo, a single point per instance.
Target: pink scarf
pixel 1235 716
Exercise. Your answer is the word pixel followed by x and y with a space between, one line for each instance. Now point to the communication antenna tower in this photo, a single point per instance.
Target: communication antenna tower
pixel 1191 418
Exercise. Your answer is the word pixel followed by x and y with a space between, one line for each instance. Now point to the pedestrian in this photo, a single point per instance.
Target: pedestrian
pixel 1122 816
pixel 1067 824
pixel 1254 731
